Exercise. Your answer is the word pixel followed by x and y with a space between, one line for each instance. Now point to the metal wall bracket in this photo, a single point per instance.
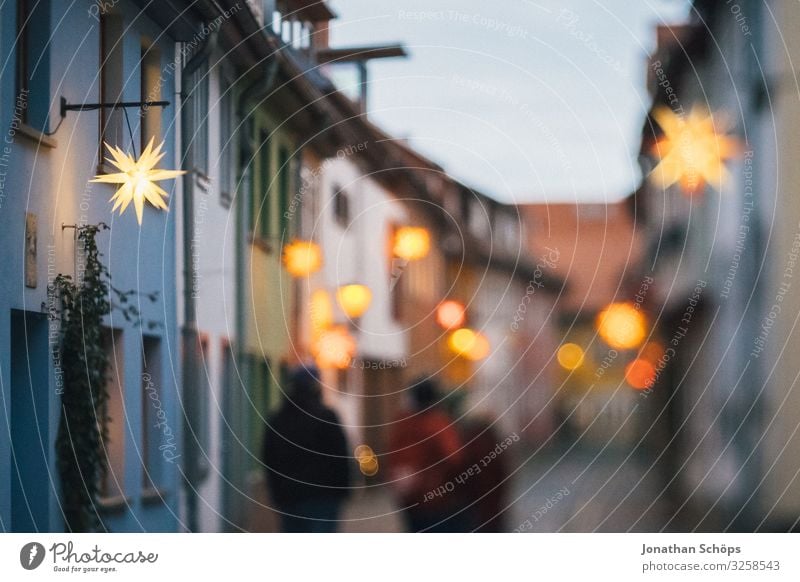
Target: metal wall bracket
pixel 115 105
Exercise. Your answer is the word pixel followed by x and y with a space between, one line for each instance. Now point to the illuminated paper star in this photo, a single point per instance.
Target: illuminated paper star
pixel 137 179
pixel 691 151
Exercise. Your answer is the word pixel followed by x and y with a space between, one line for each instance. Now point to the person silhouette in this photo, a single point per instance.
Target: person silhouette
pixel 306 458
pixel 424 454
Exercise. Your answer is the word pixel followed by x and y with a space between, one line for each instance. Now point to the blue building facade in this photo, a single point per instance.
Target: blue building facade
pixel 105 52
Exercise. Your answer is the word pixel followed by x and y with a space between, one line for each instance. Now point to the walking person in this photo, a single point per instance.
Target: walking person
pixel 306 458
pixel 484 491
pixel 424 454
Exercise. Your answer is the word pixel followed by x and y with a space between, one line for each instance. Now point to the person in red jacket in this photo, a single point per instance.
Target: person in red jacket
pixel 424 455
pixel 484 489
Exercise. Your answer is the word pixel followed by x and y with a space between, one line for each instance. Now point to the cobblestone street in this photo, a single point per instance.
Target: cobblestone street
pixel 556 491
pixel 373 511
pixel 584 491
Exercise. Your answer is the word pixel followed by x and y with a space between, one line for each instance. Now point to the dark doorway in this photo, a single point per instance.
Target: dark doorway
pixel 30 426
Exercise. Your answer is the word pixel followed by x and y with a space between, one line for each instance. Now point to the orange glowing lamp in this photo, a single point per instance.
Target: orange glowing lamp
pixel 469 344
pixel 451 314
pixel 335 348
pixel 321 312
pixel 411 243
pixel 640 374
pixel 622 326
pixel 570 356
pixel 302 258
pixel 354 299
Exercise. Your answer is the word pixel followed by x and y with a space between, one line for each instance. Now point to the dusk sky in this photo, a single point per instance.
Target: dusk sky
pixel 539 101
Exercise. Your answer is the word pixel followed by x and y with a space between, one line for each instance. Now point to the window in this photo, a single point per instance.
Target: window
pixel 198 103
pixel 284 186
pixel 262 201
pixel 296 31
pixel 202 428
pixel 508 232
pixel 111 80
pixel 28 471
pixel 276 21
pixel 466 207
pixel 397 273
pixel 260 384
pixel 307 213
pixel 32 81
pixel 157 434
pixel 245 168
pixel 227 144
pixel 341 207
pixel 150 87
pixel 479 219
pixel 286 31
pixel 307 35
pixel 229 375
pixel 113 482
pixel 195 429
pixel 278 177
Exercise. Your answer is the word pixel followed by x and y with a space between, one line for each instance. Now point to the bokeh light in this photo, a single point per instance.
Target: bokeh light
pixel 411 243
pixel 451 314
pixel 570 356
pixel 622 326
pixel 469 344
pixel 640 374
pixel 354 299
pixel 692 152
pixel 335 348
pixel 367 460
pixel 302 258
pixel 320 311
pixel 652 352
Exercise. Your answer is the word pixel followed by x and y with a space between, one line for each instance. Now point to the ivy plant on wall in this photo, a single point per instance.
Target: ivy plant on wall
pixel 82 305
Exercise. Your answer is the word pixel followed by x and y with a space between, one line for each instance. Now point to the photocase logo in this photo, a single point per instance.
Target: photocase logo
pixel 31 555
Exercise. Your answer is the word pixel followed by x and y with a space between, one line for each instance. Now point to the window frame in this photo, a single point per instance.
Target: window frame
pixel 21 81
pixel 152 374
pixel 227 119
pixel 198 101
pixel 285 181
pixel 150 90
pixel 32 63
pixel 110 120
pixel 116 468
pixel 341 206
pixel 262 213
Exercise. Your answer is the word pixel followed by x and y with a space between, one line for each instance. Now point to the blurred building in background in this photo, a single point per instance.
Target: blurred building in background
pixel 511 299
pixel 590 247
pixel 356 218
